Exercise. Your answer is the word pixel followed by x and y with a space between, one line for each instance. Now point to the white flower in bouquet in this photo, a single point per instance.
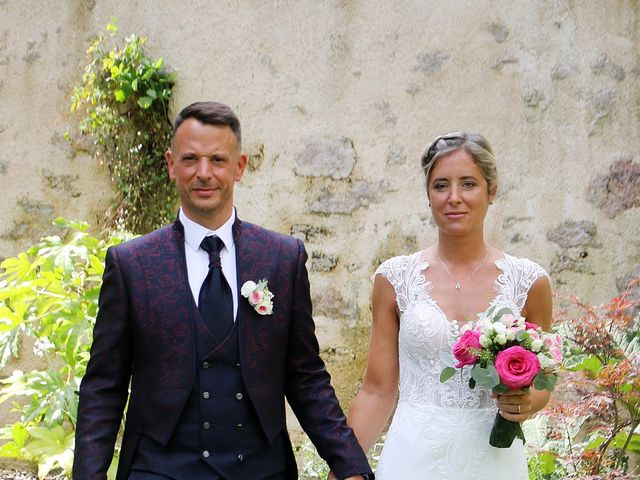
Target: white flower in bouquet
pixel 536 345
pixel 545 361
pixel 500 328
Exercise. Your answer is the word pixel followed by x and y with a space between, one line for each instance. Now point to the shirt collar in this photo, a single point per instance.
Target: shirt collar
pixel 194 233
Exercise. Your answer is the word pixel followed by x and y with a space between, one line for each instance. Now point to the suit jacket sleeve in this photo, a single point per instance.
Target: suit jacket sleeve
pixel 309 391
pixel 104 388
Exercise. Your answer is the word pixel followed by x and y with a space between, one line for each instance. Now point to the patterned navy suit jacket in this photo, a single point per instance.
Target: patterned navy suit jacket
pixel 144 337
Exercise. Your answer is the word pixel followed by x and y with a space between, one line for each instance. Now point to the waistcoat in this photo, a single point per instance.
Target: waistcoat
pixel 218 435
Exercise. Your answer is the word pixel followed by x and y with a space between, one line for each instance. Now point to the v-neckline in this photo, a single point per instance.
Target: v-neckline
pixel 428 286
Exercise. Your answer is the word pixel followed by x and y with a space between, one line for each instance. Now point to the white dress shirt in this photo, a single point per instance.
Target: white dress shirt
pixel 198 259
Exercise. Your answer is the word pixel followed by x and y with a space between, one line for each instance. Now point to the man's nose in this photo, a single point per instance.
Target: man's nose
pixel 204 167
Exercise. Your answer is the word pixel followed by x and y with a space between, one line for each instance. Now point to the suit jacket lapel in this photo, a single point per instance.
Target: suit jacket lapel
pixel 250 265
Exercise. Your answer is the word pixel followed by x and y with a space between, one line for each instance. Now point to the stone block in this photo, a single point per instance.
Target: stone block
pixel 499 31
pixel 561 72
pixel 572 260
pixel 334 158
pixel 344 198
pixel 395 155
pixel 516 229
pixel 571 233
pixel 309 233
pixel 430 63
pixel 604 66
pixel 619 190
pixel 321 262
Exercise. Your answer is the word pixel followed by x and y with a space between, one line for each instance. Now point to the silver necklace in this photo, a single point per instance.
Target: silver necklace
pixel 458 283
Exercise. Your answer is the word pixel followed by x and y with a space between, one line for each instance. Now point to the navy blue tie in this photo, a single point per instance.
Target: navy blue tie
pixel 215 301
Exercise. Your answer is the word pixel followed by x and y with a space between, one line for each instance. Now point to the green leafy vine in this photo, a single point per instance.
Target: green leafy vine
pixel 122 103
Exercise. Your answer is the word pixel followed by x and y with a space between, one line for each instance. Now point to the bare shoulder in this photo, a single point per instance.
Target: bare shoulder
pixel 538 308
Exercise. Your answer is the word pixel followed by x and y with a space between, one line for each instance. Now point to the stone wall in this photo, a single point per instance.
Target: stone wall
pixel 337 100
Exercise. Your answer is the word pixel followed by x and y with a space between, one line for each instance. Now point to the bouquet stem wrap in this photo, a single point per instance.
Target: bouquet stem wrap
pixel 504 432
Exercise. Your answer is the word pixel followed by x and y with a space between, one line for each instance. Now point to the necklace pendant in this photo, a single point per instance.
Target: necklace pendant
pixel 458 286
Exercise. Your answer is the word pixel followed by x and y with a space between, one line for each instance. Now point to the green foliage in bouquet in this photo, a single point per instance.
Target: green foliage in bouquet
pixel 123 103
pixel 593 423
pixel 49 298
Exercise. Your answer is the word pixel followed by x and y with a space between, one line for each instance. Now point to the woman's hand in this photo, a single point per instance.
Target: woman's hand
pixel 519 405
pixel 515 405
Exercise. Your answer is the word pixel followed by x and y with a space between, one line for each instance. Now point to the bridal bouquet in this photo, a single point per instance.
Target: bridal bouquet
pixel 507 353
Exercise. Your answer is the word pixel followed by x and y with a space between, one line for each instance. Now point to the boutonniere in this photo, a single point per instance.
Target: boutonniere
pixel 258 295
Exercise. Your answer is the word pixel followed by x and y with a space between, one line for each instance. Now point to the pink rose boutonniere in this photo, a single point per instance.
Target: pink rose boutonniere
pixel 258 295
pixel 506 353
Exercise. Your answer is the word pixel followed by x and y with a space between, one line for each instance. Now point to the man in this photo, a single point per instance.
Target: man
pixel 208 368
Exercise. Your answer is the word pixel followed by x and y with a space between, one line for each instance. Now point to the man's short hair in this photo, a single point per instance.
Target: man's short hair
pixel 210 113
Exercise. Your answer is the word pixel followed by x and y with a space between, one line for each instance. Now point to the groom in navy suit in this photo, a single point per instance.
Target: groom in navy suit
pixel 203 351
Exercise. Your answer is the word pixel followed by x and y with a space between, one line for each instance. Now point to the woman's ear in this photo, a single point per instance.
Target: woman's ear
pixel 492 193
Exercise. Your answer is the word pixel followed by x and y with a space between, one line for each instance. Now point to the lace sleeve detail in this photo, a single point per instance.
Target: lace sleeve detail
pixel 403 275
pixel 518 275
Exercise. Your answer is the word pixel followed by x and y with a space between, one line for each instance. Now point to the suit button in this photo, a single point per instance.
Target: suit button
pixel 205 365
pixel 239 427
pixel 206 425
pixel 205 454
pixel 239 396
pixel 206 395
pixel 240 458
pixel 237 365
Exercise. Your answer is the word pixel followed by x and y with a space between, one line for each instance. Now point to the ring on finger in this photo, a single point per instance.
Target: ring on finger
pixel 518 408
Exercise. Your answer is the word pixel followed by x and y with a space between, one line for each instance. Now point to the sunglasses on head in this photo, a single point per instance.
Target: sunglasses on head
pixel 449 140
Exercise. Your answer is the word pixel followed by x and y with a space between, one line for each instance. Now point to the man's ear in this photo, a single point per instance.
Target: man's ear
pixel 169 159
pixel 242 165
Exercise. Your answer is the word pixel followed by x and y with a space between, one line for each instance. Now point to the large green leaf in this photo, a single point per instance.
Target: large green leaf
pixel 622 437
pixel 145 102
pixel 545 381
pixel 547 462
pixel 487 377
pixel 447 373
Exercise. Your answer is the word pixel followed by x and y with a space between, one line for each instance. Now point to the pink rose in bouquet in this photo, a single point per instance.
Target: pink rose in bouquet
pixel 466 349
pixel 517 367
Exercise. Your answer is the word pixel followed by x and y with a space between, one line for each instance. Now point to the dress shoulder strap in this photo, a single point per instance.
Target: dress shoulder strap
pixel 404 273
pixel 517 277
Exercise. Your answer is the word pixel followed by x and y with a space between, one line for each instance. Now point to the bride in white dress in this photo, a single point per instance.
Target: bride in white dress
pixel 420 302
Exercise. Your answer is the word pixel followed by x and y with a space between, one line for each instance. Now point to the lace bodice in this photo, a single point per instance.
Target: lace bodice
pixel 426 335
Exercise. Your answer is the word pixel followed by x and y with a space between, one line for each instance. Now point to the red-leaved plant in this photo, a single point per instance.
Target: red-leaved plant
pixel 595 413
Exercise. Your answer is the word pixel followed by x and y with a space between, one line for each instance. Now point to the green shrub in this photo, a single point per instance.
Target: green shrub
pixel 49 295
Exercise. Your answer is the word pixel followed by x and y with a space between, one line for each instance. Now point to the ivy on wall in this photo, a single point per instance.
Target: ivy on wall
pixel 122 104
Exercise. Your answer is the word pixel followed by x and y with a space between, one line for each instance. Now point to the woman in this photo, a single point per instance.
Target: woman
pixel 420 302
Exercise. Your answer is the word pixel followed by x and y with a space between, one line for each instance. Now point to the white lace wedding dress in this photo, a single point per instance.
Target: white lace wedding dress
pixel 441 430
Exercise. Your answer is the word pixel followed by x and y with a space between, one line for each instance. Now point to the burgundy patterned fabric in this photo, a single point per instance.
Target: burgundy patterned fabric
pixel 144 337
